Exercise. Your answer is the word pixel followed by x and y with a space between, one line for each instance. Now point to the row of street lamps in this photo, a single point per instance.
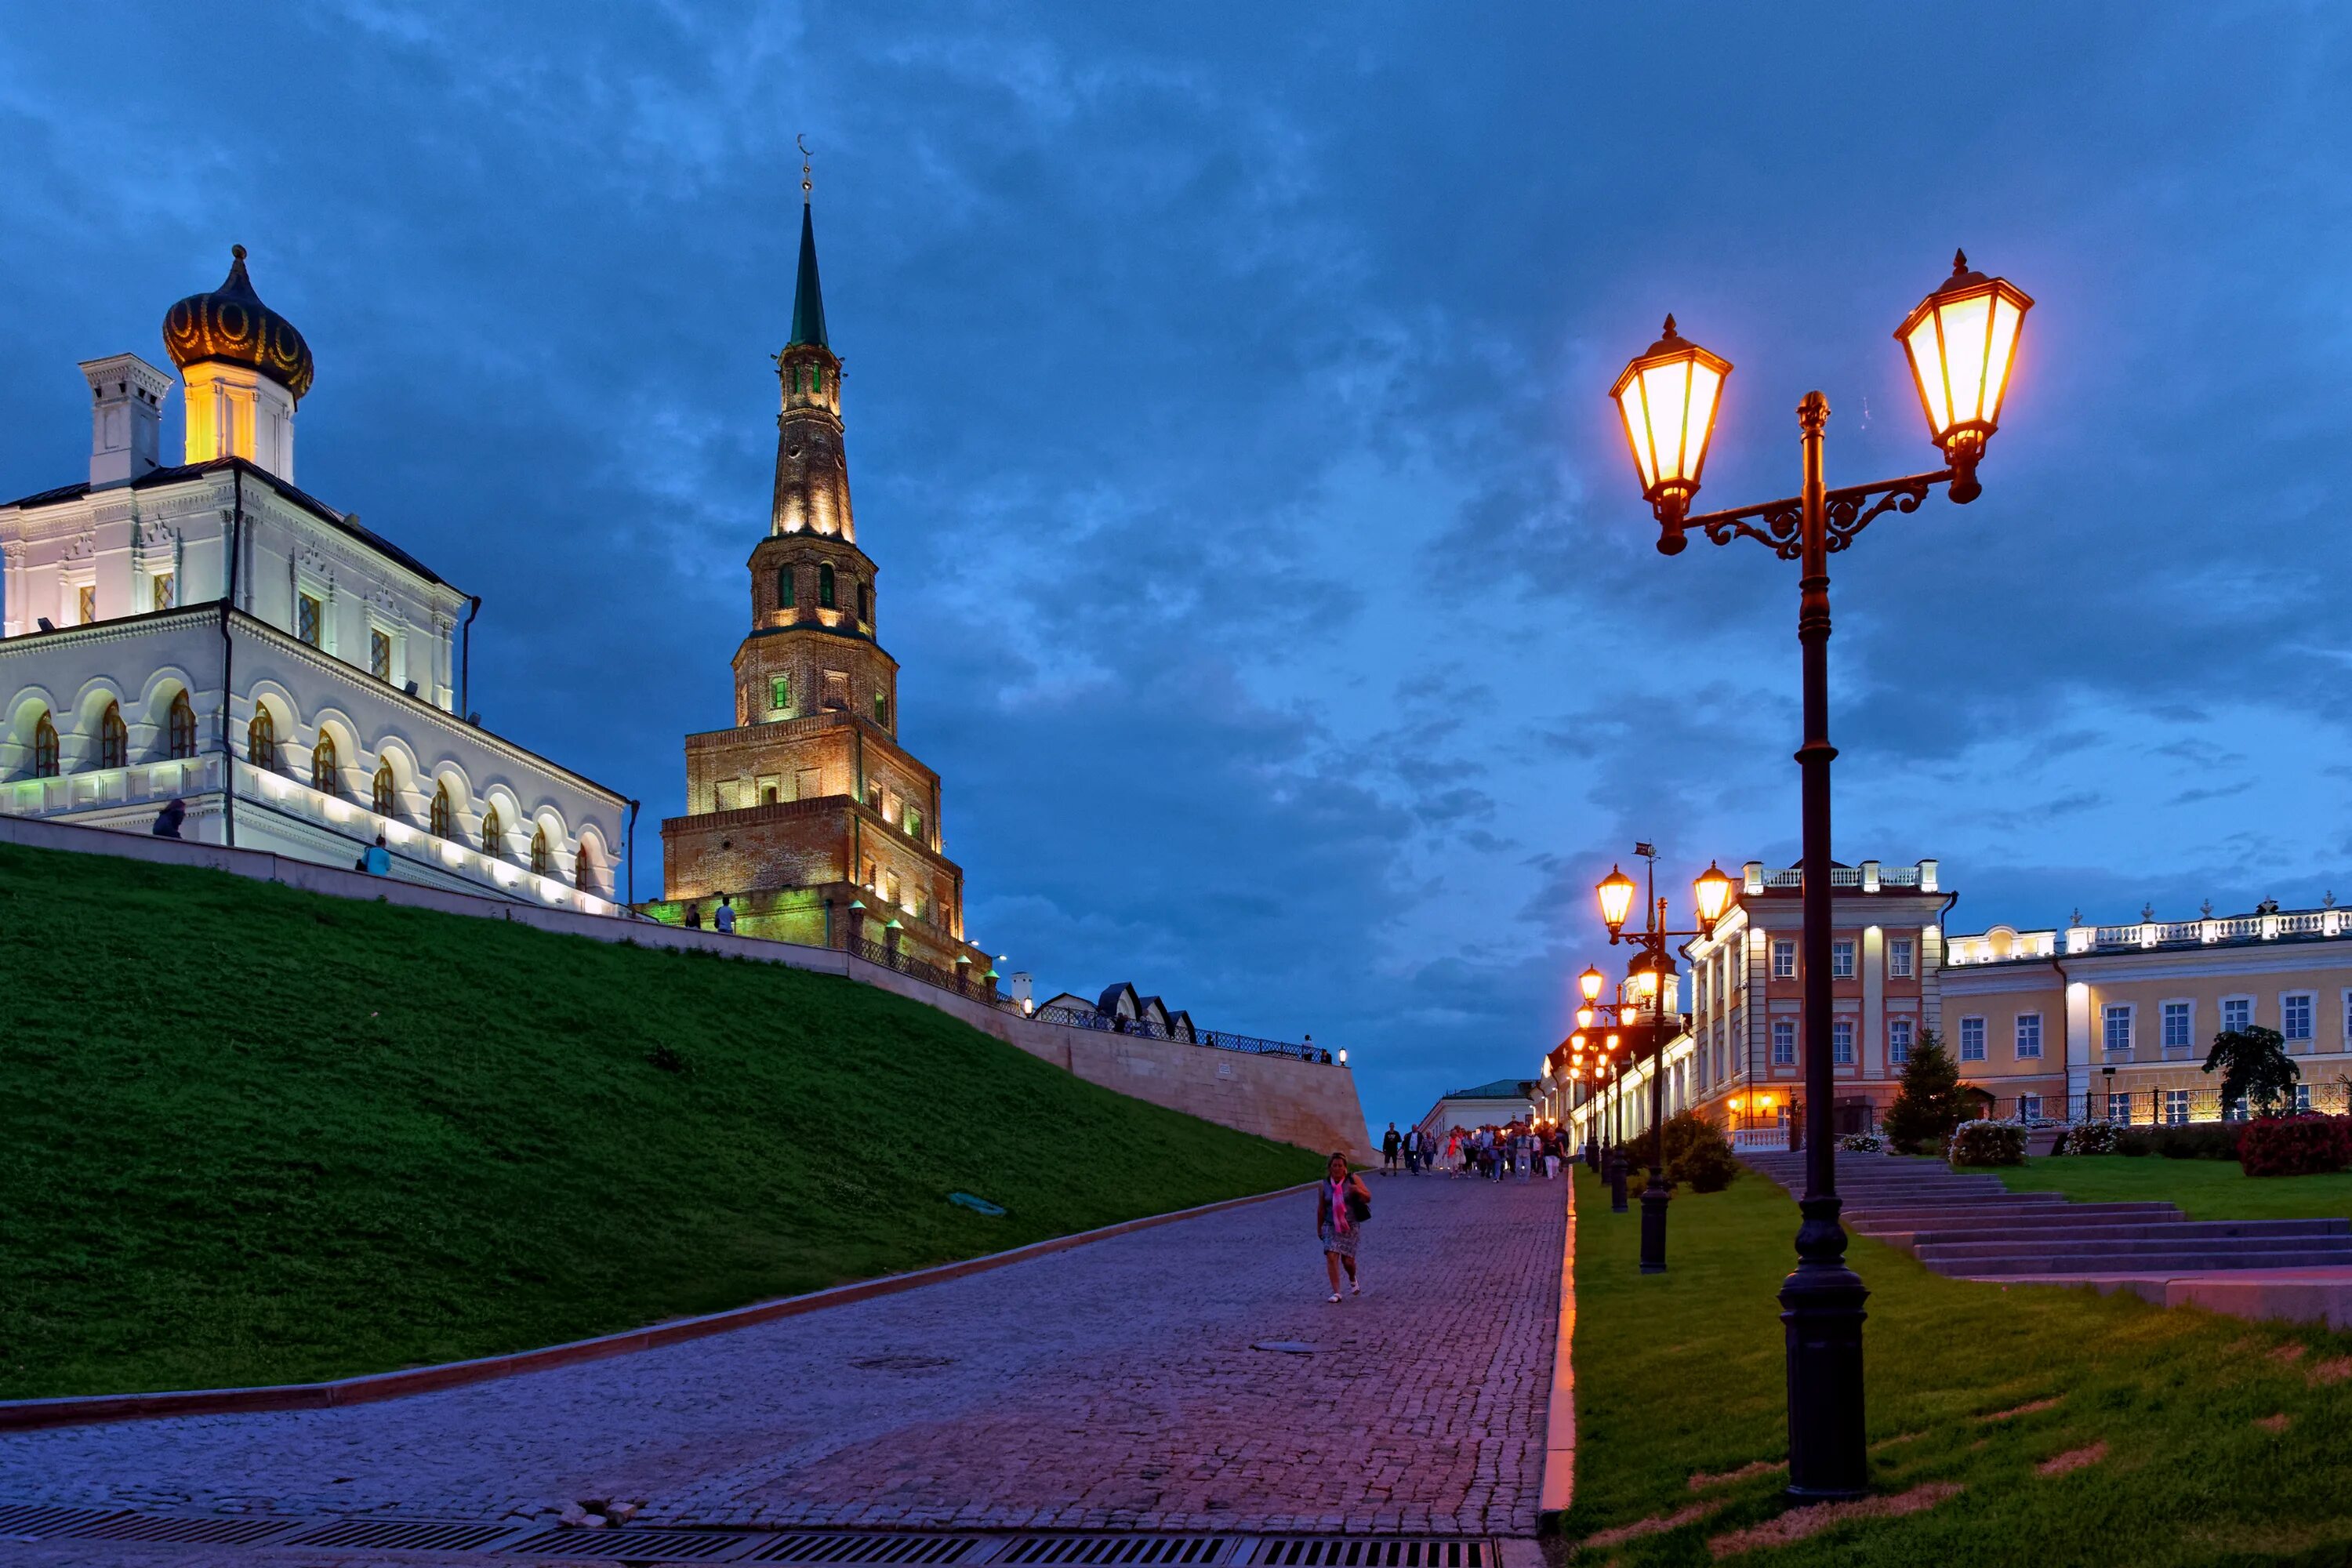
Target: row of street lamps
pixel 1961 344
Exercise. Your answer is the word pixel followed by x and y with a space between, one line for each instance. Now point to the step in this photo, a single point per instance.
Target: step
pixel 2252 1250
pixel 2180 1229
pixel 2138 1264
pixel 1953 1216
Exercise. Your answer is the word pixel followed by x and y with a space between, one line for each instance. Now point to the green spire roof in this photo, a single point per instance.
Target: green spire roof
pixel 808 300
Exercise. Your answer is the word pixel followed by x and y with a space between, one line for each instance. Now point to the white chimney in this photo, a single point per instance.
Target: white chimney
pixel 126 417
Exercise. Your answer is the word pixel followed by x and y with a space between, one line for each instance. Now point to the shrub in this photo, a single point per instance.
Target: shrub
pixel 1696 1152
pixel 1928 1105
pixel 2295 1145
pixel 1987 1143
pixel 2089 1138
pixel 1863 1143
pixel 2255 1068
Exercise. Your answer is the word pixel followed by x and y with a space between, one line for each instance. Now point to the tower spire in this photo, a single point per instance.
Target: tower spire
pixel 808 298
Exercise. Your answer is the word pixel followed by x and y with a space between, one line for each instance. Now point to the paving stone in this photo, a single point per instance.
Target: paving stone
pixel 1112 1386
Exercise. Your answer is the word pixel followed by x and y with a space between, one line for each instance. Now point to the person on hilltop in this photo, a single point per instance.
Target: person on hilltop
pixel 1389 1142
pixel 168 820
pixel 725 919
pixel 1342 1204
pixel 376 862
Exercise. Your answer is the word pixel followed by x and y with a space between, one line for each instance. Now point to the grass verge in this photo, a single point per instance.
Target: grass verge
pixel 2076 1428
pixel 2205 1189
pixel 254 1136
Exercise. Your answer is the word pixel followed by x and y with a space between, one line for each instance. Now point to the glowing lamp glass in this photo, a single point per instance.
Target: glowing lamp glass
pixel 1590 983
pixel 1666 398
pixel 1713 893
pixel 1616 891
pixel 1612 1045
pixel 1961 341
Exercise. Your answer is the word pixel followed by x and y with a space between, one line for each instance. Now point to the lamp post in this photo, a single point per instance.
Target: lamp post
pixel 1710 892
pixel 1962 343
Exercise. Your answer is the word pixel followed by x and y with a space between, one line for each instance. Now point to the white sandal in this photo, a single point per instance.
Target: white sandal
pixel 1335 1298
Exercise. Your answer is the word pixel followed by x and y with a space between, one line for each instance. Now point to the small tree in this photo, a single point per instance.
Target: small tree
pixel 2255 1068
pixel 1929 1103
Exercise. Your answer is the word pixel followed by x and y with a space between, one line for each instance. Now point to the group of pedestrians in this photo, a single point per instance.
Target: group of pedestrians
pixel 1524 1149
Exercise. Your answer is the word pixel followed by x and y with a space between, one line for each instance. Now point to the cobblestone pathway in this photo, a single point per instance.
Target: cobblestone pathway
pixel 1112 1385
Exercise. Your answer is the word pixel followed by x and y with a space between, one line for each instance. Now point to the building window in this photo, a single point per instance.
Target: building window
pixel 1841 960
pixel 87 604
pixel 2176 1107
pixel 816 379
pixel 1842 1042
pixel 385 786
pixel 45 747
pixel 2237 1013
pixel 2118 1106
pixel 837 690
pixel 2117 1021
pixel 494 835
pixel 913 822
pixel 307 619
pixel 380 655
pixel 1898 958
pixel 163 583
pixel 1784 958
pixel 785 598
pixel 181 726
pixel 1899 1040
pixel 2029 1035
pixel 864 602
pixel 261 742
pixel 882 709
pixel 1784 1042
pixel 2029 1108
pixel 824 586
pixel 2176 1025
pixel 539 850
pixel 325 776
pixel 114 741
pixel 1972 1039
pixel 2294 1016
pixel 2302 1099
pixel 437 817
pixel 780 695
pixel 583 872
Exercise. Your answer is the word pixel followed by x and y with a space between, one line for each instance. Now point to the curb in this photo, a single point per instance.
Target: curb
pixel 1559 1487
pixel 81 1410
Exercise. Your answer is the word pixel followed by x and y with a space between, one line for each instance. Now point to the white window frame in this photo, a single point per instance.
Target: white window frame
pixel 1842 958
pixel 2310 1000
pixel 1774 1038
pixel 1842 1048
pixel 71 581
pixel 2119 1111
pixel 1898 1051
pixel 1784 947
pixel 2176 1098
pixel 2017 1037
pixel 2164 1023
pixel 2302 1099
pixel 1899 957
pixel 1963 1037
pixel 2108 1014
pixel 2029 1108
pixel 2254 1014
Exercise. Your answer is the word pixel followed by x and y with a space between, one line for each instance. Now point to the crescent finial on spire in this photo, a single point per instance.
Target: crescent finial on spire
pixel 800 139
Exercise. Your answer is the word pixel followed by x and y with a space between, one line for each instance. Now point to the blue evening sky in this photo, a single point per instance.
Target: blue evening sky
pixel 1225 406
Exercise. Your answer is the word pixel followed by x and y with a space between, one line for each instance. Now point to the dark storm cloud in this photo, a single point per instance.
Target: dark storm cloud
pixel 1225 413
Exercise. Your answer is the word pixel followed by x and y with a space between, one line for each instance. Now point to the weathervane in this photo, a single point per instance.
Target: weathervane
pixel 801 140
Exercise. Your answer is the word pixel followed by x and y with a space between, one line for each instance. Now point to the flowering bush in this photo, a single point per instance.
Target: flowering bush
pixel 2090 1138
pixel 1987 1143
pixel 1863 1143
pixel 2295 1145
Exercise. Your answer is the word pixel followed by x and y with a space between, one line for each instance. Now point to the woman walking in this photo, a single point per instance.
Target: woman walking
pixel 1341 1206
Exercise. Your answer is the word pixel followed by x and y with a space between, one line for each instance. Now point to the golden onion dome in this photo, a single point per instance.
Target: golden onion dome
pixel 232 326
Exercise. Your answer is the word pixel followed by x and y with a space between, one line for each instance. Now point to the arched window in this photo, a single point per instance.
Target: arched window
pixel 865 603
pixel 261 740
pixel 325 776
pixel 816 378
pixel 182 727
pixel 824 586
pixel 494 837
pixel 539 850
pixel 386 786
pixel 583 872
pixel 784 590
pixel 45 747
pixel 439 819
pixel 882 709
pixel 113 738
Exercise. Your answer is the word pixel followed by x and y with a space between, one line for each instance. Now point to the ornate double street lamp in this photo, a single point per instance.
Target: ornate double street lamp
pixel 1608 1158
pixel 1961 341
pixel 1711 892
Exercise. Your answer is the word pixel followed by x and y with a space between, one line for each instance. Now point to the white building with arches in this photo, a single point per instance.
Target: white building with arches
pixel 207 633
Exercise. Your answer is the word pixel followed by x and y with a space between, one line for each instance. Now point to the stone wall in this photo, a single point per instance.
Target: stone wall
pixel 1279 1097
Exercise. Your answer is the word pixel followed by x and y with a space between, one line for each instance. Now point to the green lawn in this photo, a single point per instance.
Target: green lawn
pixel 248 1134
pixel 2205 1189
pixel 1682 1374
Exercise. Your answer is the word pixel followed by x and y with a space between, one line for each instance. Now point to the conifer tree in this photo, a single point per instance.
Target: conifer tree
pixel 1929 1104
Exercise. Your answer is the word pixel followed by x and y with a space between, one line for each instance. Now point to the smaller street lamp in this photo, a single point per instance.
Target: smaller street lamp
pixel 1590 982
pixel 1616 891
pixel 1961 341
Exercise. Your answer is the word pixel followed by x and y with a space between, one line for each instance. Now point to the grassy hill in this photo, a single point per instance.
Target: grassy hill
pixel 251 1135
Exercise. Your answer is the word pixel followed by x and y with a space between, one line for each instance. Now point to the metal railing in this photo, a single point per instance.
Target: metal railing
pixel 1215 1039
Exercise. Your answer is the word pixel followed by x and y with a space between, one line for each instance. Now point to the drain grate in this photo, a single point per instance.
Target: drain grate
pixel 403 1535
pixel 632 1545
pixel 1200 1551
pixel 34 1520
pixel 1360 1552
pixel 834 1546
pixel 193 1531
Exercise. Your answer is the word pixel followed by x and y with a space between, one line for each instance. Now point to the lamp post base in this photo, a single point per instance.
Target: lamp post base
pixel 1822 1314
pixel 1616 1179
pixel 1653 1228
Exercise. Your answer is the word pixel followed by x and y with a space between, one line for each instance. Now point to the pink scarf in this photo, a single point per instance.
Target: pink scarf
pixel 1341 1224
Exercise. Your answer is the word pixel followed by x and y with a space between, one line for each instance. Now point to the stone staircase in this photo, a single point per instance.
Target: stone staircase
pixel 1971 1226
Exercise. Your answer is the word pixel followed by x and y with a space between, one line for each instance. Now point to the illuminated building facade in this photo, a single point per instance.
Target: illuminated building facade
pixel 807 814
pixel 207 632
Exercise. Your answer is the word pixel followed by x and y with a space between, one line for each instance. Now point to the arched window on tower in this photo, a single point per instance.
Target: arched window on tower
pixel 494 834
pixel 785 596
pixel 182 725
pixel 386 787
pixel 261 740
pixel 816 378
pixel 113 738
pixel 45 747
pixel 882 709
pixel 539 850
pixel 864 602
pixel 824 586
pixel 440 817
pixel 584 872
pixel 326 777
